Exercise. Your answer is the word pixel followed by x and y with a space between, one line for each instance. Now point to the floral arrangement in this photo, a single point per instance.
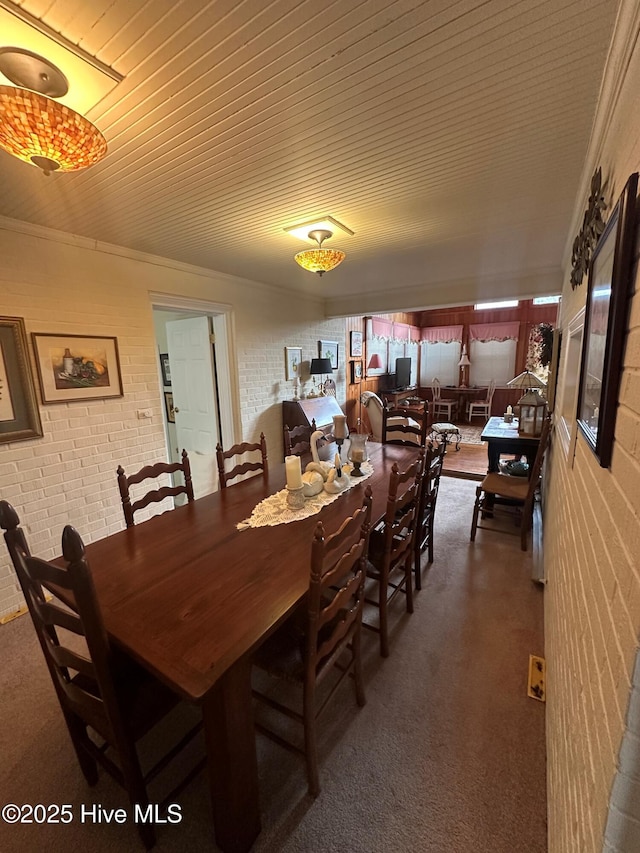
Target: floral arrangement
pixel 539 350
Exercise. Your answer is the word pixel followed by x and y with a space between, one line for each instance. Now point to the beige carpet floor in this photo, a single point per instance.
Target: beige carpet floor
pixel 446 757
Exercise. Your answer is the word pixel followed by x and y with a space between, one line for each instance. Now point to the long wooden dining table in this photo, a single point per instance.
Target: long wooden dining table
pixel 190 597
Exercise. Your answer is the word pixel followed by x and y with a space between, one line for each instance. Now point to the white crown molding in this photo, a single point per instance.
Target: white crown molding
pixel 42 232
pixel 623 44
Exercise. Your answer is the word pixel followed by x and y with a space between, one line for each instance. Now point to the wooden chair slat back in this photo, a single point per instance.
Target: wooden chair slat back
pixel 396 432
pixel 93 698
pixel 402 509
pixel 297 440
pixel 336 588
pixel 155 495
pixel 536 468
pixel 244 467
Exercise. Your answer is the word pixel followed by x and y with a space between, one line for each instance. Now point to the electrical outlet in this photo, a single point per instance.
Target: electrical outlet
pixel 144 413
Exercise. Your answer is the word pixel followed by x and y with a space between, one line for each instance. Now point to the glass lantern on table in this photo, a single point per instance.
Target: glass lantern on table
pixel 357 452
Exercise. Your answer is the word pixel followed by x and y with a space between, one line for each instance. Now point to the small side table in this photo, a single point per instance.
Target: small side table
pixel 445 433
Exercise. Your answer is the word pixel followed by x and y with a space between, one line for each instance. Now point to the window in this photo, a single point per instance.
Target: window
pixel 546 300
pixel 439 361
pixel 492 360
pixel 506 303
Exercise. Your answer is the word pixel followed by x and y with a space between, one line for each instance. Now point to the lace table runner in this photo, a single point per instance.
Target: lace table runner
pixel 275 510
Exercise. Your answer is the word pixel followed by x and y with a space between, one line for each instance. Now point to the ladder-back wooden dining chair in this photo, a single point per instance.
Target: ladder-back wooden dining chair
pixel 402 425
pixel 430 484
pixel 297 440
pixel 324 634
pixel 150 472
pixel 100 689
pixel 498 491
pixel 391 548
pixel 442 405
pixel 483 407
pixel 254 464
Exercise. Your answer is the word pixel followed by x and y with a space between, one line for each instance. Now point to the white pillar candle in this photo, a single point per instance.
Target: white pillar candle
pixel 340 426
pixel 509 410
pixel 294 472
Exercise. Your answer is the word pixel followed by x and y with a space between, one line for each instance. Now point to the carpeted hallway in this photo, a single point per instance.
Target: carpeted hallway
pixel 446 757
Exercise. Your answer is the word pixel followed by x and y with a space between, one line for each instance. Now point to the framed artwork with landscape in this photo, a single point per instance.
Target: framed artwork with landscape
pixel 75 368
pixel 19 415
pixel 604 326
pixel 329 349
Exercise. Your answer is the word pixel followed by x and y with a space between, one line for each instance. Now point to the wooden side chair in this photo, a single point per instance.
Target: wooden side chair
pixel 155 495
pixel 100 689
pixel 402 425
pixel 442 405
pixel 434 461
pixel 241 467
pixel 498 491
pixel 391 547
pixel 297 440
pixel 323 635
pixel 483 406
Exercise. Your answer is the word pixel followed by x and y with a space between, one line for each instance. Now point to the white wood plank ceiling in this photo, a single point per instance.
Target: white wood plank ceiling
pixel 449 135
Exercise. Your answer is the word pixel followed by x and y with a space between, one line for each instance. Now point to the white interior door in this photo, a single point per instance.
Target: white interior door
pixel 194 397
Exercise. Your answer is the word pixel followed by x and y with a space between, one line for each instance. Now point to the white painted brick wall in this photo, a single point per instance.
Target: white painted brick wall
pixel 592 600
pixel 69 475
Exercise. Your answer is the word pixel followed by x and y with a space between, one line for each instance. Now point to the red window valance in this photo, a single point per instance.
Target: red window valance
pixel 441 334
pixel 494 331
pixel 381 328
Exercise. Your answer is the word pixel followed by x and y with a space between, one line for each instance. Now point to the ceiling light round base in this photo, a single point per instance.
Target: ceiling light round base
pixel 30 71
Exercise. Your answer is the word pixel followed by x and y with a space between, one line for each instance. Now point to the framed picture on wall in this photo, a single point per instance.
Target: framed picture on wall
pixel 77 367
pixel 293 359
pixel 355 344
pixel 356 372
pixel 329 349
pixel 168 404
pixel 19 415
pixel 165 368
pixel 604 326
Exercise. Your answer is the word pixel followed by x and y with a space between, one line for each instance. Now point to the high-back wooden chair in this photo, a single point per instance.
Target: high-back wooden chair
pixel 241 467
pixel 483 407
pixel 498 490
pixel 297 440
pixel 441 405
pixel 155 495
pixel 429 487
pixel 402 425
pixel 391 546
pixel 100 689
pixel 314 642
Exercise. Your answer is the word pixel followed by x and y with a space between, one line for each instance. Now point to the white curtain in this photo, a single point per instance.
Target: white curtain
pixel 492 360
pixel 439 361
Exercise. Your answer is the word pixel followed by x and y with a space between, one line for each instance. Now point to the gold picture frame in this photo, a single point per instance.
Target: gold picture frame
pixel 19 413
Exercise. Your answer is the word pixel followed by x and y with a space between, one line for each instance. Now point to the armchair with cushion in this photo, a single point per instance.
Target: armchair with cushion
pixel 374 406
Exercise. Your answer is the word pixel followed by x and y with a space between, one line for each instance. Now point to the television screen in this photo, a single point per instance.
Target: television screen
pixel 403 373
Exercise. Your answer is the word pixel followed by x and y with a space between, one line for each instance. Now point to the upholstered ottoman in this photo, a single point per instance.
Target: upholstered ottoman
pixel 445 433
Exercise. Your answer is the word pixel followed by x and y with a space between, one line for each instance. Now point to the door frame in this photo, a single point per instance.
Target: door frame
pixel 225 363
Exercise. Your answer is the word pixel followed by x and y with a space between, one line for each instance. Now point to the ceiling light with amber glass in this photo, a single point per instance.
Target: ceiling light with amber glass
pixel 320 260
pixel 39 130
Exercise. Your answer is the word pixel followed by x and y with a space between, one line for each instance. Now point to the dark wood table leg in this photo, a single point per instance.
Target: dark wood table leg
pixel 233 765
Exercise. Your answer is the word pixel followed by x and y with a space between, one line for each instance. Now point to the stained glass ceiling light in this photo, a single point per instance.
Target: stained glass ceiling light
pixel 319 260
pixel 37 129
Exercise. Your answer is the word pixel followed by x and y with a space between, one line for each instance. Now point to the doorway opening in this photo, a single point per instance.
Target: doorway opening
pixel 197 382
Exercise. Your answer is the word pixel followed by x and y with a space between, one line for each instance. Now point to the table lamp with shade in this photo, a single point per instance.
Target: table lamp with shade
pixel 375 362
pixel 464 364
pixel 319 367
pixel 531 407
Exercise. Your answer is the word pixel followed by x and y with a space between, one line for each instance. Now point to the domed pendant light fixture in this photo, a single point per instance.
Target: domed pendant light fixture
pixel 320 260
pixel 37 129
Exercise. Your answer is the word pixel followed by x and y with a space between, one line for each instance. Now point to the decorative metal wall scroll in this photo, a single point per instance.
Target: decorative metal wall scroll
pixel 592 228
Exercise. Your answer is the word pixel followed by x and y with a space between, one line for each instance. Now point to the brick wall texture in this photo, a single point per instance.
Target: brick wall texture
pixel 592 612
pixel 66 286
